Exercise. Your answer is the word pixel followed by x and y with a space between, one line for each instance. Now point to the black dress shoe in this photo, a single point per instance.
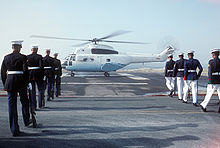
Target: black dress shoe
pixel 184 101
pixel 195 104
pixel 180 99
pixel 203 109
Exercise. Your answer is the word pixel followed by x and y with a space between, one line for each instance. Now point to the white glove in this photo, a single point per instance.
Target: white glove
pixel 30 86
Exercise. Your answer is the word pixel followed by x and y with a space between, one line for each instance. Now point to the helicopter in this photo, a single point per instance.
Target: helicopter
pixel 96 57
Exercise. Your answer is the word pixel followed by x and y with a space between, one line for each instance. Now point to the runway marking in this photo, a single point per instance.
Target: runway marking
pixel 131 76
pixel 79 76
pixel 75 83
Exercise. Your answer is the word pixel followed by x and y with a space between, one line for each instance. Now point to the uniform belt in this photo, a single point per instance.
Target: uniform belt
pixel 191 70
pixel 14 72
pixel 169 70
pixel 216 73
pixel 48 67
pixel 33 68
pixel 56 68
pixel 180 69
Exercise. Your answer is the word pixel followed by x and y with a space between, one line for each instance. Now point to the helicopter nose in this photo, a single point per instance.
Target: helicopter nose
pixel 64 64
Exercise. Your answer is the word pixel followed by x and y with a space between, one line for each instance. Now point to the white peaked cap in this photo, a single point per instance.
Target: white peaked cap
pixel 16 42
pixel 34 46
pixel 47 49
pixel 170 55
pixel 190 51
pixel 215 50
pixel 181 54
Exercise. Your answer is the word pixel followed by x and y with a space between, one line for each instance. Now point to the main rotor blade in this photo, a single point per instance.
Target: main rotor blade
pixel 123 42
pixel 120 32
pixel 59 38
pixel 78 45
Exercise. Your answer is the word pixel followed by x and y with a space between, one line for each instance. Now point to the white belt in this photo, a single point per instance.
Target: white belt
pixel 180 69
pixel 56 68
pixel 191 70
pixel 169 70
pixel 33 68
pixel 14 72
pixel 216 73
pixel 47 67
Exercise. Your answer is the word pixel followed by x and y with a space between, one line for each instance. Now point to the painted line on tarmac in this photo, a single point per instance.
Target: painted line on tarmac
pixel 83 75
pixel 74 83
pixel 131 76
pixel 162 112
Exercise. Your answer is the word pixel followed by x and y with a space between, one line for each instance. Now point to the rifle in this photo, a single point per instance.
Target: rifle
pixel 32 110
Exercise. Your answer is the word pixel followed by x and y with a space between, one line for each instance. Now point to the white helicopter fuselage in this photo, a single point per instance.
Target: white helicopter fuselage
pixel 103 58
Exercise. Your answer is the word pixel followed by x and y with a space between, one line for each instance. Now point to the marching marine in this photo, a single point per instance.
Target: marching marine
pixel 35 68
pixel 213 77
pixel 178 71
pixel 58 74
pixel 191 77
pixel 14 73
pixel 48 63
pixel 169 74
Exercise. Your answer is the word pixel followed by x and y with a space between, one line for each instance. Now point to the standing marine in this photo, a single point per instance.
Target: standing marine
pixel 14 73
pixel 48 63
pixel 213 77
pixel 169 74
pixel 191 77
pixel 178 72
pixel 35 68
pixel 58 74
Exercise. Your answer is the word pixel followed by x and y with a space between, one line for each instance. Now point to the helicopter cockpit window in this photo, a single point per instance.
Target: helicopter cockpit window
pixel 72 58
pixel 103 51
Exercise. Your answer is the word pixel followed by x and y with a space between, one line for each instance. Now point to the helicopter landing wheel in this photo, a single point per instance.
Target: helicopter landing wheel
pixel 72 74
pixel 106 74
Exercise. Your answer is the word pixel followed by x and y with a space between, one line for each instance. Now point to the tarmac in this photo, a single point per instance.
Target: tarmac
pixel 119 111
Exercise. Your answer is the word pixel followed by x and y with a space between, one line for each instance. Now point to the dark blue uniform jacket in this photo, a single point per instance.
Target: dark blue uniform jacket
pixel 169 68
pixel 35 60
pixel 58 68
pixel 178 70
pixel 14 62
pixel 48 62
pixel 192 65
pixel 214 71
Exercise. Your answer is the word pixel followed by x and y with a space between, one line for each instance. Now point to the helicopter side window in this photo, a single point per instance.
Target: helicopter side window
pixel 73 58
pixel 108 60
pixel 103 51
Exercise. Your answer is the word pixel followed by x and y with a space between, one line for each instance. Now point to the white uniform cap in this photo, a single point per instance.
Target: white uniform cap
pixel 47 49
pixel 170 55
pixel 181 54
pixel 34 46
pixel 19 42
pixel 215 50
pixel 190 51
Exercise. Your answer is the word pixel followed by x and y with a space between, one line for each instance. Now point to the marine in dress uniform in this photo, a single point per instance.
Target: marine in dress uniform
pixel 191 77
pixel 58 74
pixel 169 74
pixel 178 71
pixel 213 77
pixel 35 68
pixel 48 63
pixel 14 73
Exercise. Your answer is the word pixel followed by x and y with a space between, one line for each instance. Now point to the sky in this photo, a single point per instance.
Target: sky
pixel 191 24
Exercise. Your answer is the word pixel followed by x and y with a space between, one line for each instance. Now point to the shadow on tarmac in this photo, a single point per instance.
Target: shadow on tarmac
pixel 98 108
pixel 95 143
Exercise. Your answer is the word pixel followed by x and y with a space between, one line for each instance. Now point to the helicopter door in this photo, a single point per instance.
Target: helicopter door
pixel 88 63
pixel 71 60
